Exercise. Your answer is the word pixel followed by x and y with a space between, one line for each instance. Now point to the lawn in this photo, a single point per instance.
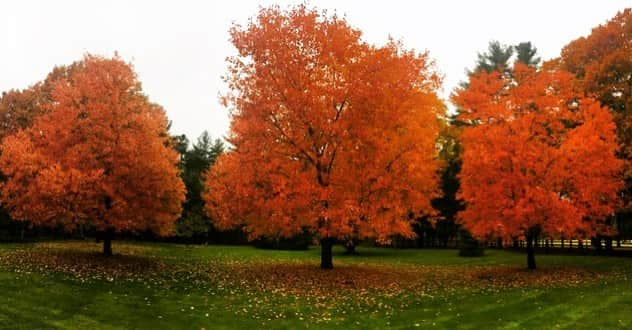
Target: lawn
pixel 166 286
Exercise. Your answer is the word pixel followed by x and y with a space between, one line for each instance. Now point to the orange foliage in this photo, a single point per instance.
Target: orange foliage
pixel 538 156
pixel 602 60
pixel 330 134
pixel 98 156
pixel 602 63
pixel 18 108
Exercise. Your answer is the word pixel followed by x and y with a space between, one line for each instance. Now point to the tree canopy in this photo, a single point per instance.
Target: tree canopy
pixel 99 156
pixel 526 54
pixel 329 134
pixel 602 64
pixel 538 157
pixel 195 161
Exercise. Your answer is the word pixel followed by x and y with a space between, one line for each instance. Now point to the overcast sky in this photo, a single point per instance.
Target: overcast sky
pixel 178 47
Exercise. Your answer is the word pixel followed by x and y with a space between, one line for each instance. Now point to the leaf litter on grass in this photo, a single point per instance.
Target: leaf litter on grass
pixel 308 292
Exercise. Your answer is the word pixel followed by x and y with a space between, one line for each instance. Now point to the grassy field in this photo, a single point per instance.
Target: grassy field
pixel 163 286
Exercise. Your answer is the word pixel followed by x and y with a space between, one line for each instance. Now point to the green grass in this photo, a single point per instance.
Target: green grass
pixel 384 256
pixel 61 299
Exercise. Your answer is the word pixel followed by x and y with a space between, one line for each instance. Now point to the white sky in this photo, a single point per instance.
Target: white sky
pixel 178 47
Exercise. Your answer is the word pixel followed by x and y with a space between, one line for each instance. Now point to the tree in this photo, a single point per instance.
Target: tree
pixel 602 65
pixel 538 159
pixel 98 157
pixel 330 135
pixel 496 58
pixel 499 57
pixel 196 161
pixel 448 204
pixel 525 54
pixel 181 144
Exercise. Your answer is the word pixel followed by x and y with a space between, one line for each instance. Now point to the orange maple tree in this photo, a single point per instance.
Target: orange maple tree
pixel 602 64
pixel 538 159
pixel 98 157
pixel 330 135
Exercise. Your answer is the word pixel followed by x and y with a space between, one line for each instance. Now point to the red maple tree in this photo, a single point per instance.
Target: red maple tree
pixel 98 157
pixel 538 159
pixel 330 135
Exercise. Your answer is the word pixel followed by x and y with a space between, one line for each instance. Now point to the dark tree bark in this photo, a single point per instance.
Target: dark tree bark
pixel 530 252
pixel 350 247
pixel 326 257
pixel 596 243
pixel 608 241
pixel 108 235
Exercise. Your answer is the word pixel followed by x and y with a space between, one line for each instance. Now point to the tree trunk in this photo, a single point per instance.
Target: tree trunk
pixel 608 241
pixel 350 247
pixel 596 243
pixel 107 242
pixel 530 253
pixel 326 245
pixel 562 243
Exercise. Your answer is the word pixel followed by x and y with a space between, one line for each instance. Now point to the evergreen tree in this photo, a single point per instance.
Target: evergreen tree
pixel 448 204
pixel 181 145
pixel 526 54
pixel 195 161
pixel 496 58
